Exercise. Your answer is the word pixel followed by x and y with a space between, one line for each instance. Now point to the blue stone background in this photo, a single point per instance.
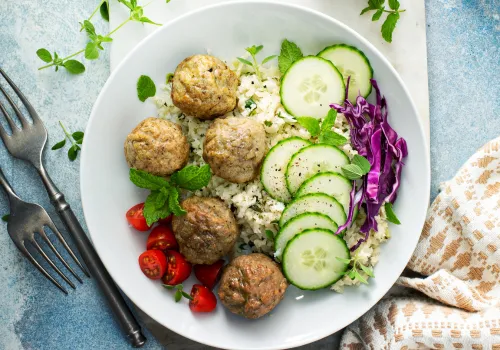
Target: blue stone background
pixel 464 70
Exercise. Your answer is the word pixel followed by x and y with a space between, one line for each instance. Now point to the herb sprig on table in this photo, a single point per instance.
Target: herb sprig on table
pixel 96 41
pixel 76 139
pixel 5 218
pixel 392 18
pixel 164 197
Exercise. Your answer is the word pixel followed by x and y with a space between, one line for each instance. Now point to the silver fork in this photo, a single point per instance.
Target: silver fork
pixel 25 221
pixel 27 143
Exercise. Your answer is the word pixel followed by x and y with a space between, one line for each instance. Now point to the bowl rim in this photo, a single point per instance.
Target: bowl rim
pixel 325 331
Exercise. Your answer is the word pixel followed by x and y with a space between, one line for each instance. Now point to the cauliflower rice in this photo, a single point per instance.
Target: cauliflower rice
pixel 255 211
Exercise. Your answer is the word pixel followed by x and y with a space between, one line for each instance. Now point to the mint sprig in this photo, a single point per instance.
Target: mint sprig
pixel 289 53
pixel 76 140
pixel 324 130
pixel 356 267
pixel 359 167
pixel 253 51
pixel 179 292
pixel 145 88
pixel 392 18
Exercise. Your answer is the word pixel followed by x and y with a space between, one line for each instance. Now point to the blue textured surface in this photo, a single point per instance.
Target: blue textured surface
pixel 464 69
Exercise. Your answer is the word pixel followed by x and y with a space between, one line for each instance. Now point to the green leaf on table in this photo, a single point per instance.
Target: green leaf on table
pixel 289 53
pixel 311 124
pixel 192 177
pixel 104 10
pixel 332 138
pixel 173 202
pixel 5 218
pixel 391 215
pixel 389 26
pixel 44 55
pixel 78 137
pixel 269 58
pixel 362 162
pixel 244 61
pixel 376 16
pixel 145 88
pixel 73 152
pixel 91 51
pixel 59 145
pixel 329 121
pixel 143 179
pixel 89 28
pixel 352 171
pixel 394 5
pixel 74 66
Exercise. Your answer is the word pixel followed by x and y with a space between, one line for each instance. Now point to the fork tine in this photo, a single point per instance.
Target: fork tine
pixel 23 99
pixel 67 247
pixel 4 136
pixel 56 252
pixel 12 125
pixel 51 263
pixel 30 257
pixel 23 120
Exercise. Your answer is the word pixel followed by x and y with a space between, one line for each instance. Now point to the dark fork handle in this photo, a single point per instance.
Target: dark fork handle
pixel 125 318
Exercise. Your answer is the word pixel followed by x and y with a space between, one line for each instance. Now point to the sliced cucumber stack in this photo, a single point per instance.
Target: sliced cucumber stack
pixel 310 85
pixel 298 224
pixel 315 203
pixel 274 167
pixel 312 160
pixel 330 183
pixel 351 62
pixel 310 259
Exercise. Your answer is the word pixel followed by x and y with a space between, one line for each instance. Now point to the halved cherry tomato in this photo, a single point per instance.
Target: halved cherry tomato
pixel 153 264
pixel 209 274
pixel 135 217
pixel 203 299
pixel 166 221
pixel 178 268
pixel 162 238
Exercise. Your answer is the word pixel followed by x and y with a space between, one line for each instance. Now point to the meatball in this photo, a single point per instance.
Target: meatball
pixel 252 285
pixel 204 87
pixel 157 146
pixel 207 232
pixel 234 148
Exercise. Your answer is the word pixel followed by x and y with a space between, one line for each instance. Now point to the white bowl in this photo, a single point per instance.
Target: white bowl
pixel 107 193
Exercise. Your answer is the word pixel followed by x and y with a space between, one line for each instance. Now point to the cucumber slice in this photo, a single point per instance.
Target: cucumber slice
pixel 310 85
pixel 312 160
pixel 332 184
pixel 310 259
pixel 351 62
pixel 274 166
pixel 298 224
pixel 314 203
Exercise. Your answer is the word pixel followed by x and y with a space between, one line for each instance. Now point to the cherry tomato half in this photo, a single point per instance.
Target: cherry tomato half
pixel 166 221
pixel 203 299
pixel 178 268
pixel 135 217
pixel 209 274
pixel 162 238
pixel 153 264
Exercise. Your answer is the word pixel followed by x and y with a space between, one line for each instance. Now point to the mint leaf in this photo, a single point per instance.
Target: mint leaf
pixel 270 235
pixel 89 28
pixel 365 10
pixel 146 180
pixel 151 213
pixel 367 270
pixel 74 66
pixel 329 121
pixel 91 51
pixel 360 278
pixel 352 171
pixel 244 61
pixel 5 218
pixel 78 137
pixel 332 138
pixel 162 198
pixel 376 16
pixel 104 10
pixel 254 50
pixel 389 26
pixel 59 145
pixel 192 178
pixel 362 162
pixel 311 124
pixel 173 202
pixel 73 152
pixel 375 4
pixel 391 216
pixel 145 88
pixel 394 5
pixel 44 55
pixel 269 58
pixel 289 53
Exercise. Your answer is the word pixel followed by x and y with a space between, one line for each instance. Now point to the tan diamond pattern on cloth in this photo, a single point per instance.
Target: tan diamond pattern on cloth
pixel 457 304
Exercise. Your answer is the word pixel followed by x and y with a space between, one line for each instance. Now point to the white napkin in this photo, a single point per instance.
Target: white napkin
pixel 459 253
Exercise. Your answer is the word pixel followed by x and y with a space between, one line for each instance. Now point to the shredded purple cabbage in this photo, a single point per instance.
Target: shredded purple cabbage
pixel 375 139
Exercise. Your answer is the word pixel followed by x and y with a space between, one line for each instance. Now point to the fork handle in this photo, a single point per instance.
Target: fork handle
pixel 125 318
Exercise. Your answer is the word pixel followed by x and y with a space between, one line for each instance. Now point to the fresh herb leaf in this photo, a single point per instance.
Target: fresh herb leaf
pixel 178 296
pixel 244 61
pixel 44 55
pixel 329 121
pixel 270 235
pixel 169 78
pixel 173 202
pixel 192 177
pixel 78 137
pixel 367 270
pixel 360 278
pixel 394 5
pixel 151 213
pixel 168 286
pixel 147 20
pixel 74 66
pixel 332 138
pixel 187 296
pixel 143 179
pixel 91 51
pixel 362 162
pixel 162 198
pixel 391 215
pixel 73 152
pixel 59 145
pixel 249 103
pixel 289 53
pixel 352 171
pixel 268 123
pixel 365 10
pixel 375 4
pixel 346 261
pixel 311 124
pixel 5 218
pixel 89 28
pixel 145 88
pixel 376 16
pixel 269 58
pixel 389 26
pixel 104 10
pixel 254 50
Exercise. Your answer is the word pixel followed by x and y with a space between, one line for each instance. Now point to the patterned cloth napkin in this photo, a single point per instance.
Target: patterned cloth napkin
pixel 453 303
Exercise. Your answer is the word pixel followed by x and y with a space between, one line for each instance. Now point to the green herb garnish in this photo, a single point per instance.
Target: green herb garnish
pixel 310 124
pixel 76 140
pixel 392 18
pixel 332 138
pixel 270 235
pixel 253 51
pixel 358 168
pixel 391 215
pixel 249 103
pixel 354 271
pixel 289 53
pixel 145 88
pixel 179 292
pixel 5 218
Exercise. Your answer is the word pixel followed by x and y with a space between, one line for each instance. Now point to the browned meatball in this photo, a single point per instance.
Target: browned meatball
pixel 234 148
pixel 157 146
pixel 204 87
pixel 207 232
pixel 252 285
